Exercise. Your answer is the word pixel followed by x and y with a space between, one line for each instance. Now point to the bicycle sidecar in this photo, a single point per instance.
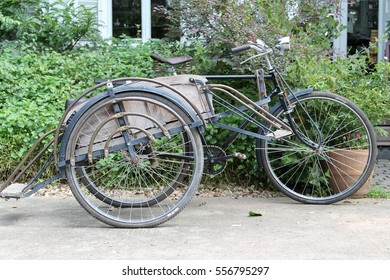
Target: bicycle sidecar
pixel 132 154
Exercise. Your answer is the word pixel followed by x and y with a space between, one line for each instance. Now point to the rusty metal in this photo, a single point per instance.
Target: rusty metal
pixel 121 115
pixel 121 129
pixel 250 105
pixel 16 174
pixel 41 152
pixel 127 80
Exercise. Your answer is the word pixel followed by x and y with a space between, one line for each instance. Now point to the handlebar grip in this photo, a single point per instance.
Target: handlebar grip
pixel 241 48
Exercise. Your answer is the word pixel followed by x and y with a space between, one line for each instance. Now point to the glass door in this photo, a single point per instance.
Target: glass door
pixel 362 24
pixel 126 18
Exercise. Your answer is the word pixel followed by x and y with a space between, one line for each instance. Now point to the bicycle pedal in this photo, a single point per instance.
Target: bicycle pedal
pixel 239 155
pixel 280 133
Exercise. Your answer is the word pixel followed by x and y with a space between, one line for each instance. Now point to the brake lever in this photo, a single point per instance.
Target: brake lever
pixel 252 57
pixel 260 51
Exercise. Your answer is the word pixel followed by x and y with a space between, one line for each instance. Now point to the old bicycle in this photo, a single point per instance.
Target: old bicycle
pixel 134 152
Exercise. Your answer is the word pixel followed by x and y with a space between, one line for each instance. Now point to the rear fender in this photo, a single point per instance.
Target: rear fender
pixel 176 99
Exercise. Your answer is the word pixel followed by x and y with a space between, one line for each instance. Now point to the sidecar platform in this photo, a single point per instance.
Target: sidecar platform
pixel 15 190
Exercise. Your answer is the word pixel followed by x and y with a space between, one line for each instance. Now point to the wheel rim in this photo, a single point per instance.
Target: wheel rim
pixel 145 192
pixel 307 173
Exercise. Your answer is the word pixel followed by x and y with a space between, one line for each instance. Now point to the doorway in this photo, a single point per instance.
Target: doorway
pixel 362 24
pixel 127 18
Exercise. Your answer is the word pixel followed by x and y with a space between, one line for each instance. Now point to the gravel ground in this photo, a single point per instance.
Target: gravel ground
pixel 381 178
pixel 63 190
pixel 382 174
pixel 58 190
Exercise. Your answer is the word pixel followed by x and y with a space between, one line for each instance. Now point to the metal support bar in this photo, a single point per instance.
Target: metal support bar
pixel 100 153
pixel 16 173
pixel 240 109
pixel 242 131
pixel 261 112
pixel 234 77
pixel 40 185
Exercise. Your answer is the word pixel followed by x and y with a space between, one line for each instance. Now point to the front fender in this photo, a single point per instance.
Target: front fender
pixel 291 97
pixel 272 111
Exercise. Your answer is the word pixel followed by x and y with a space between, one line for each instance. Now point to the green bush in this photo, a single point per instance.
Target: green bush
pixel 312 27
pixel 35 85
pixel 12 14
pixel 350 77
pixel 60 26
pixel 222 24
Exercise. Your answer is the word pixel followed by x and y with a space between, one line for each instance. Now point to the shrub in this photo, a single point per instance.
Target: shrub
pixel 222 24
pixel 60 26
pixel 12 13
pixel 35 85
pixel 312 27
pixel 350 77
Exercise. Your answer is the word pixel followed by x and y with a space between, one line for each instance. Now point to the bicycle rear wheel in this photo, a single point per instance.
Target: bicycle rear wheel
pixel 342 157
pixel 142 187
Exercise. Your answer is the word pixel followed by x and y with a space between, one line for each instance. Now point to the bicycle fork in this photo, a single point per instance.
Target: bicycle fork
pixel 288 109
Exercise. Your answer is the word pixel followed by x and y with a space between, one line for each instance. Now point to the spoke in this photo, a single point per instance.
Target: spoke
pixel 311 175
pixel 345 134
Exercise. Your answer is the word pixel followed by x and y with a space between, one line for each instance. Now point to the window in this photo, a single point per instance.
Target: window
pixel 160 23
pixel 362 24
pixel 127 18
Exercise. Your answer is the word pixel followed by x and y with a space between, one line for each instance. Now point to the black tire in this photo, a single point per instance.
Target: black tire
pixel 317 174
pixel 140 190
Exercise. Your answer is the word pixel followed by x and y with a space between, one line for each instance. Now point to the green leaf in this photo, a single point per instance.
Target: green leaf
pixel 255 214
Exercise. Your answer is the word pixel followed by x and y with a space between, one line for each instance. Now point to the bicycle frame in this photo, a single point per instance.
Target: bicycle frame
pixel 256 108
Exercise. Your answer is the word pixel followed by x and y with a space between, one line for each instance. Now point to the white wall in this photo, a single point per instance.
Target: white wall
pixel 340 44
pixel 105 17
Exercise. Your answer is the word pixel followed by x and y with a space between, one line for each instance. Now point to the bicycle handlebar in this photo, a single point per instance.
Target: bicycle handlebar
pixel 241 48
pixel 282 45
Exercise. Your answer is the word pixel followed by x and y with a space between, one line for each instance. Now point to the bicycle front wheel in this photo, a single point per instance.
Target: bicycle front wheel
pixel 339 159
pixel 147 184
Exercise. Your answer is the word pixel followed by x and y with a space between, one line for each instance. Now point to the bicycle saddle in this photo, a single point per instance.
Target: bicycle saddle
pixel 171 60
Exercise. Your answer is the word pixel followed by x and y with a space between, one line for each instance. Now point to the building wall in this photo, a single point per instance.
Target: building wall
pixel 89 3
pixel 104 12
